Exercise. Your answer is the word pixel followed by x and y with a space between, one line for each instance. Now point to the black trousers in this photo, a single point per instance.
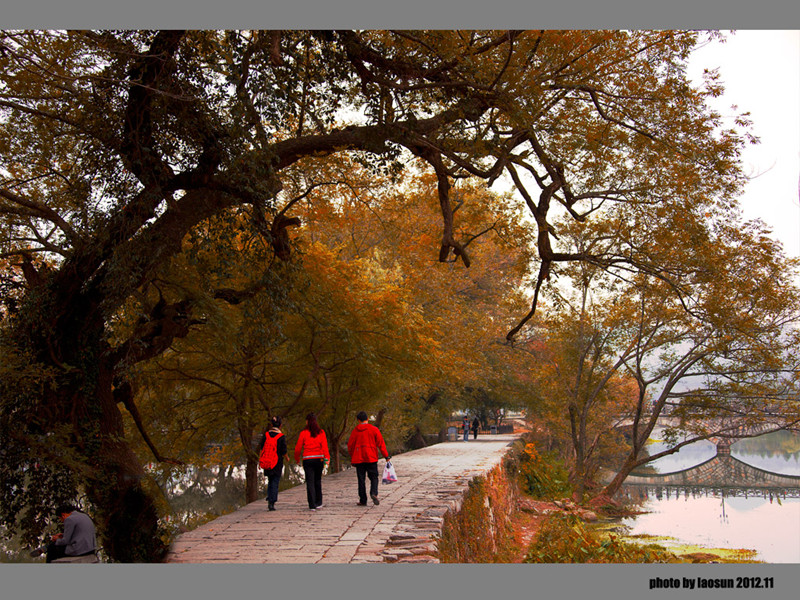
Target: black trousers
pixel 54 552
pixel 312 467
pixel 364 470
pixel 273 482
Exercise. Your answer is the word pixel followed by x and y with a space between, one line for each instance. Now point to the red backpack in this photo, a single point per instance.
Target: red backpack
pixel 269 453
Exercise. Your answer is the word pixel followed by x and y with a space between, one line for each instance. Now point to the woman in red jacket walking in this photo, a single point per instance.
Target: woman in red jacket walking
pixel 312 446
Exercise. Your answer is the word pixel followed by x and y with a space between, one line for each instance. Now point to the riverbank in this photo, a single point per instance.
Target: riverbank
pixel 534 517
pixel 598 528
pixel 498 522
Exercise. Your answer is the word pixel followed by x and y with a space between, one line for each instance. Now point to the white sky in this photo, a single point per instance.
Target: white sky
pixel 761 74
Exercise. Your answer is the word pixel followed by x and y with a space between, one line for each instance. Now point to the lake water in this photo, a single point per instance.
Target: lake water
pixel 770 526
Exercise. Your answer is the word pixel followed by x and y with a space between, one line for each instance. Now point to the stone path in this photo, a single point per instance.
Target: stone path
pixel 401 528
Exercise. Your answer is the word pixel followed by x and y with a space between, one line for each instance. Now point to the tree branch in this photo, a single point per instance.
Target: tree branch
pixel 124 393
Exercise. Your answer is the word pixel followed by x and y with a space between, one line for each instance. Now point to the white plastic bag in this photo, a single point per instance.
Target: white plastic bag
pixel 389 475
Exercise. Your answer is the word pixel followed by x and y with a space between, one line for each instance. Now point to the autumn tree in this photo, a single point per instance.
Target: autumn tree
pixel 582 395
pixel 118 145
pixel 465 311
pixel 359 329
pixel 723 360
pixel 714 347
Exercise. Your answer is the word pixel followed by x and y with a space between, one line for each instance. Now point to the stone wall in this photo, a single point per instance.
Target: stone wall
pixel 479 529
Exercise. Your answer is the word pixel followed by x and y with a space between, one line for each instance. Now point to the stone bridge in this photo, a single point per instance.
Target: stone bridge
pixel 729 430
pixel 722 474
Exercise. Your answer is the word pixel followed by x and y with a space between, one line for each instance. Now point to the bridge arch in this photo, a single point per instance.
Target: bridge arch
pixel 724 473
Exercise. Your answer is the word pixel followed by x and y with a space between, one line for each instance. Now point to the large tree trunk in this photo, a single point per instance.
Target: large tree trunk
pixel 578 438
pixel 248 437
pixel 81 402
pixel 612 488
pixel 126 512
pixel 442 435
pixel 336 455
pixel 416 440
pixel 251 479
pixel 579 480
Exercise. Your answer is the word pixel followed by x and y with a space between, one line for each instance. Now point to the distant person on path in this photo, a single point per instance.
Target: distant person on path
pixel 273 474
pixel 78 538
pixel 465 428
pixel 475 425
pixel 364 445
pixel 312 446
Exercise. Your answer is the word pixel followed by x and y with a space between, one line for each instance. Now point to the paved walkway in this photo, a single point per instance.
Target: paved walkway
pixel 401 529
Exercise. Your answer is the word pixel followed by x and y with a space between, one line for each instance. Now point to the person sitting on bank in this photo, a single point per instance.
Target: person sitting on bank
pixel 78 538
pixel 364 444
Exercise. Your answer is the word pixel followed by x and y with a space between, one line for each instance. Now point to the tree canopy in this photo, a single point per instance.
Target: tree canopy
pixel 714 349
pixel 121 150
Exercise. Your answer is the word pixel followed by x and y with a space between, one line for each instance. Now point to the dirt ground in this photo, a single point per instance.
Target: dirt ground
pixel 527 522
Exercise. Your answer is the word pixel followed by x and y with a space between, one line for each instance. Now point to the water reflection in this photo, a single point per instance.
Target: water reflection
pixel 765 522
pixel 777 452
pixel 769 526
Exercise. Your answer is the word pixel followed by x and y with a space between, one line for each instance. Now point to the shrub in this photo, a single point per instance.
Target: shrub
pixel 564 539
pixel 543 476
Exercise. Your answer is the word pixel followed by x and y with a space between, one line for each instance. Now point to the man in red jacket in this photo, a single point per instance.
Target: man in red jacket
pixel 364 444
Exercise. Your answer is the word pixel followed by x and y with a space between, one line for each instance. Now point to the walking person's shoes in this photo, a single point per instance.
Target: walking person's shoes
pixel 375 499
pixel 271 506
pixel 320 505
pixel 362 503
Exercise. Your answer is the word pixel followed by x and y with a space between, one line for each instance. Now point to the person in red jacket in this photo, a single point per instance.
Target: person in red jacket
pixel 273 475
pixel 364 444
pixel 312 446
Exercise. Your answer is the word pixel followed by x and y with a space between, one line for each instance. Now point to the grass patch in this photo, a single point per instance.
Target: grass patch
pixel 684 552
pixel 564 538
